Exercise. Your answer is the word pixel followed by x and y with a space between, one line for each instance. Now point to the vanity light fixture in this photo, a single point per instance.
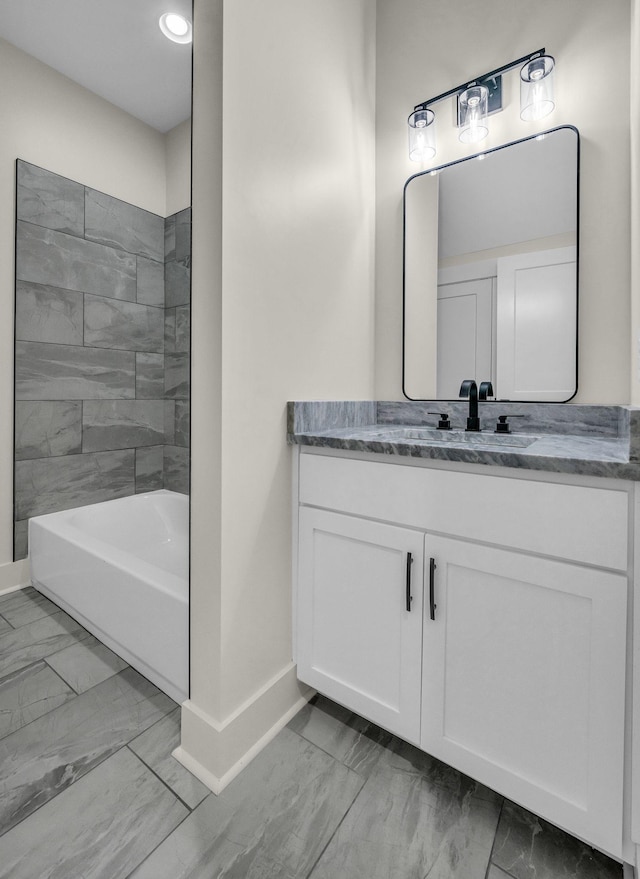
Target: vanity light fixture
pixel 472 109
pixel 480 98
pixel 176 27
pixel 422 135
pixel 536 88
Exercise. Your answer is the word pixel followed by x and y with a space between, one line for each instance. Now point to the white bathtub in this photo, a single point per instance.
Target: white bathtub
pixel 120 568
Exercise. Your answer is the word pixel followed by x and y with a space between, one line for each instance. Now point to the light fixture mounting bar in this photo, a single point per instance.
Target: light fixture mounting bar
pixel 481 79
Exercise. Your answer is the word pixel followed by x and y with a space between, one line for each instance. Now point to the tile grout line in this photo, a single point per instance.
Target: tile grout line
pixel 107 756
pixel 493 844
pixel 23 668
pixel 68 787
pixel 57 673
pixel 75 692
pixel 160 778
pixel 339 824
pixel 324 751
pixel 111 246
pixel 148 855
pixel 54 708
pixel 44 616
pixel 360 734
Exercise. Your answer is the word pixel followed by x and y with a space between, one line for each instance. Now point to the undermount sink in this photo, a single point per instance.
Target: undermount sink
pixel 432 436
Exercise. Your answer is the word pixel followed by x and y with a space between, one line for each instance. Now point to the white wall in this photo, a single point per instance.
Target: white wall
pixel 296 316
pixel 425 49
pixel 51 121
pixel 297 281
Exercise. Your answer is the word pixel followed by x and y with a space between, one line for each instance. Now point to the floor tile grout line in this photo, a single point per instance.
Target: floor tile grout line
pixel 43 658
pixel 155 723
pixel 328 753
pixel 34 620
pixel 333 756
pixel 11 628
pixel 502 870
pixel 16 671
pixel 339 824
pixel 15 628
pixel 57 673
pixel 161 779
pixel 47 614
pixel 3 832
pixel 155 848
pixel 493 844
pixel 97 684
pixel 59 676
pixel 46 656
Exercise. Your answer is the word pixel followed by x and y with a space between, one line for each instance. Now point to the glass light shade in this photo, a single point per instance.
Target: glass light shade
pixel 175 27
pixel 422 135
pixel 472 103
pixel 536 88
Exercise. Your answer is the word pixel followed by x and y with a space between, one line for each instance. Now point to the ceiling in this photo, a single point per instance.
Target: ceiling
pixel 114 48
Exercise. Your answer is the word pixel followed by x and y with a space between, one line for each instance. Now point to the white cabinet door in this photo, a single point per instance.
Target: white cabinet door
pixel 358 641
pixel 524 676
pixel 536 318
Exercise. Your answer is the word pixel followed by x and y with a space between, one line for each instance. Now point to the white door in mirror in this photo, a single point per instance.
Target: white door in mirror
pixel 536 312
pixel 465 334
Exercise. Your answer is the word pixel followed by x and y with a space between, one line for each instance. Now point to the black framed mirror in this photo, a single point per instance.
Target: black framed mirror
pixel 490 272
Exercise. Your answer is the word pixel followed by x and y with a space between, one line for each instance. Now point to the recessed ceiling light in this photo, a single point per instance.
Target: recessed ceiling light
pixel 176 27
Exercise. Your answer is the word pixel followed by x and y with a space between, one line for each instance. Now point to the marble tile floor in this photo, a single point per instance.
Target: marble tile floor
pixel 89 790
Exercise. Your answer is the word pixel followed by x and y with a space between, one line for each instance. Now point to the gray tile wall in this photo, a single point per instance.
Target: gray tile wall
pixel 177 334
pixel 102 334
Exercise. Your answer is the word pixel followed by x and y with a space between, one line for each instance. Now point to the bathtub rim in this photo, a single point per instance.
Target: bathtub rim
pixel 59 523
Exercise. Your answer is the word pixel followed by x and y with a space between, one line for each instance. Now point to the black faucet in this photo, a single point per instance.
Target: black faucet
pixel 469 389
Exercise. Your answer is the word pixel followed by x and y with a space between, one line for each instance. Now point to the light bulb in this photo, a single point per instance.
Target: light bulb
pixel 177 25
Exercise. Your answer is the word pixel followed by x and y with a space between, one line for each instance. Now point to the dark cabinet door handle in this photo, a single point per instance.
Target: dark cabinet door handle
pixel 432 587
pixel 408 595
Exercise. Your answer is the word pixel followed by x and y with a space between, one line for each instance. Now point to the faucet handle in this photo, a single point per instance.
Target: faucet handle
pixel 444 423
pixel 503 426
pixel 485 390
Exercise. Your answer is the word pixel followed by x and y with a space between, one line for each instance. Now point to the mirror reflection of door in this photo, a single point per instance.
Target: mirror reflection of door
pixel 511 321
pixel 465 334
pixel 536 325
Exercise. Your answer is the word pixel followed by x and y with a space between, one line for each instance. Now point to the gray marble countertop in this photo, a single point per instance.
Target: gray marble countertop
pixel 563 438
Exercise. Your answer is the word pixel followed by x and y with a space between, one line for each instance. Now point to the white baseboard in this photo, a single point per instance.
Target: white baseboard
pixel 14 575
pixel 216 752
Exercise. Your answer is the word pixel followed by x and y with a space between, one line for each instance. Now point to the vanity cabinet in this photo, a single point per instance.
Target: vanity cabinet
pixel 523 682
pixel 519 678
pixel 360 616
